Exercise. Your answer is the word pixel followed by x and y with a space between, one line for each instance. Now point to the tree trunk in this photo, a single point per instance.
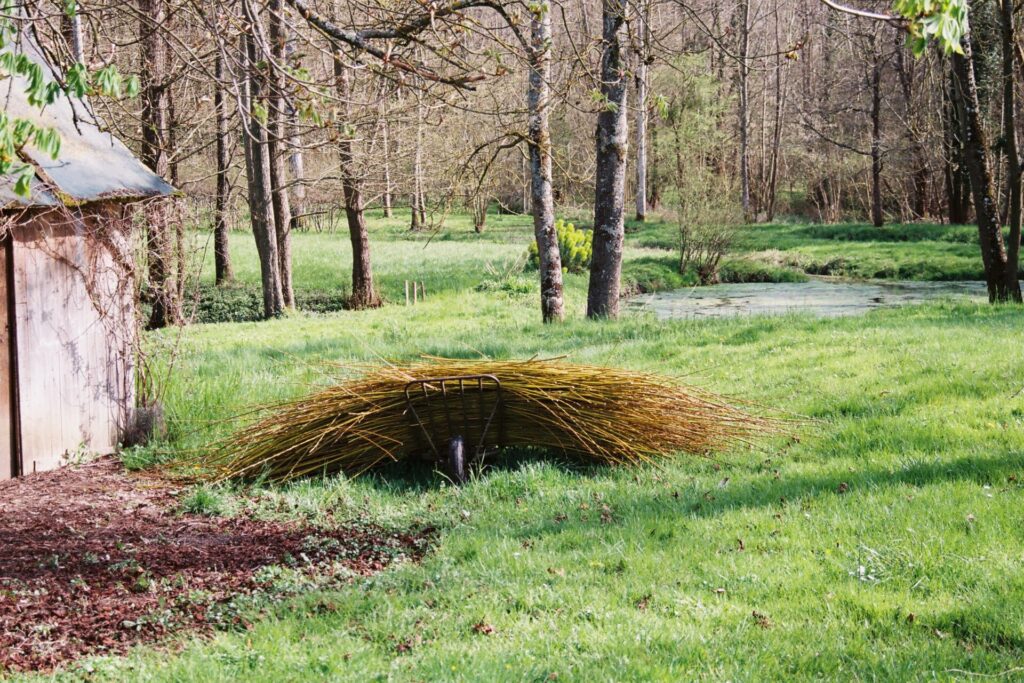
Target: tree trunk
pixel 1013 171
pixel 655 184
pixel 296 158
pixel 257 165
pixel 957 180
pixel 153 152
pixel 385 139
pixel 919 174
pixel 743 110
pixel 479 214
pixel 221 252
pixel 71 27
pixel 363 293
pixel 990 234
pixel 276 143
pixel 418 208
pixel 771 189
pixel 171 137
pixel 386 200
pixel 612 131
pixel 552 306
pixel 641 113
pixel 877 216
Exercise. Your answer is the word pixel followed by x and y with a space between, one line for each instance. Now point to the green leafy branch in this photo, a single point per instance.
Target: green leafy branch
pixel 942 21
pixel 79 81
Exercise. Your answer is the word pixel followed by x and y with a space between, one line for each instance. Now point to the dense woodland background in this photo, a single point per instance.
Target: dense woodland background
pixel 291 115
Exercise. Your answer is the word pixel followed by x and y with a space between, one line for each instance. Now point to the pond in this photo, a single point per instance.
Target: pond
pixel 826 298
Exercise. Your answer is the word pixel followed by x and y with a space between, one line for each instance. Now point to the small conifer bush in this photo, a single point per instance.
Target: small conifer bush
pixel 575 246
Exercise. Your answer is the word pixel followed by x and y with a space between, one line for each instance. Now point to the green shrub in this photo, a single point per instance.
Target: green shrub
pixel 230 304
pixel 574 245
pixel 244 302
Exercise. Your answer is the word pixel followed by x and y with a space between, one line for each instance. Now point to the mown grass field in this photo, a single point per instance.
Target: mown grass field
pixel 885 544
pixel 454 257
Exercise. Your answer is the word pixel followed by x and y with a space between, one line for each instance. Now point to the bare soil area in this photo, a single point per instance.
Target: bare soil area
pixel 94 559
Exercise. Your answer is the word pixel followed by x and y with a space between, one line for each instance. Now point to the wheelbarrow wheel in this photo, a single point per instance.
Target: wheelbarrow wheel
pixel 457 460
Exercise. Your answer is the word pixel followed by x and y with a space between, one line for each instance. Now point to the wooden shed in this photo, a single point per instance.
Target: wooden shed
pixel 67 290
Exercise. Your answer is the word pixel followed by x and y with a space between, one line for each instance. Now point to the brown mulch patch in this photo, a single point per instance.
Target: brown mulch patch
pixel 94 560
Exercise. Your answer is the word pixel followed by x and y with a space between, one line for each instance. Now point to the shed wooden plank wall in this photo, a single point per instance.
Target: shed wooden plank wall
pixel 74 319
pixel 6 394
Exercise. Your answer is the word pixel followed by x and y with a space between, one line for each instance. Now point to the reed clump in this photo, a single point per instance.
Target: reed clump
pixel 606 415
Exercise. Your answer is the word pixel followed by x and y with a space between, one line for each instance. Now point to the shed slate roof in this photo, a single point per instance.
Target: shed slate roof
pixel 92 164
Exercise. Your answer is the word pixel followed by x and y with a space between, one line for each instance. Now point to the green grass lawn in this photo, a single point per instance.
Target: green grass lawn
pixel 446 260
pixel 885 544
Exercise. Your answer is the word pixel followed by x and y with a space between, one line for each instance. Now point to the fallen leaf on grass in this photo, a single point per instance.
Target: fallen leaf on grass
pixel 483 628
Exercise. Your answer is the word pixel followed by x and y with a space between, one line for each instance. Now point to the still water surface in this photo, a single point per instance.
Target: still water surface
pixel 821 297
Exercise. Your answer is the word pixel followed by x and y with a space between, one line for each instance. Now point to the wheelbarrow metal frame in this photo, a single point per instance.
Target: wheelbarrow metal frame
pixel 463 386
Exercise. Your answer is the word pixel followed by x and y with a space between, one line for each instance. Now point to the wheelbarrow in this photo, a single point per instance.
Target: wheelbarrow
pixel 449 414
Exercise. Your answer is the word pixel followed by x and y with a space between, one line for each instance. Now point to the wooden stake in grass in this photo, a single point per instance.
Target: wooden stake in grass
pixel 601 414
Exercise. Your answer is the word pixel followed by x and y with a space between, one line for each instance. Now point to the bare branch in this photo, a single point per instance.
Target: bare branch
pixel 897 21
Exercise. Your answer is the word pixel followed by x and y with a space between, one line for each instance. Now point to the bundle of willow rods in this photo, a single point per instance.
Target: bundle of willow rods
pixel 607 415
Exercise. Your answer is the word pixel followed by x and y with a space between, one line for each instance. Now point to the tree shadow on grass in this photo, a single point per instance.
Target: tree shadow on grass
pixel 766 491
pixel 421 476
pixel 416 476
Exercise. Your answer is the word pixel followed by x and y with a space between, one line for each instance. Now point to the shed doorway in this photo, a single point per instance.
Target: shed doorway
pixel 9 466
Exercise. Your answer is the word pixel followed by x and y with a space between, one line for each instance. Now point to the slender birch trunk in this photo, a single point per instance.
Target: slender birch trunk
pixel 223 272
pixel 153 153
pixel 743 110
pixel 385 139
pixel 257 166
pixel 552 306
pixel 296 158
pixel 418 208
pixel 612 146
pixel 877 215
pixel 276 143
pixel 641 112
